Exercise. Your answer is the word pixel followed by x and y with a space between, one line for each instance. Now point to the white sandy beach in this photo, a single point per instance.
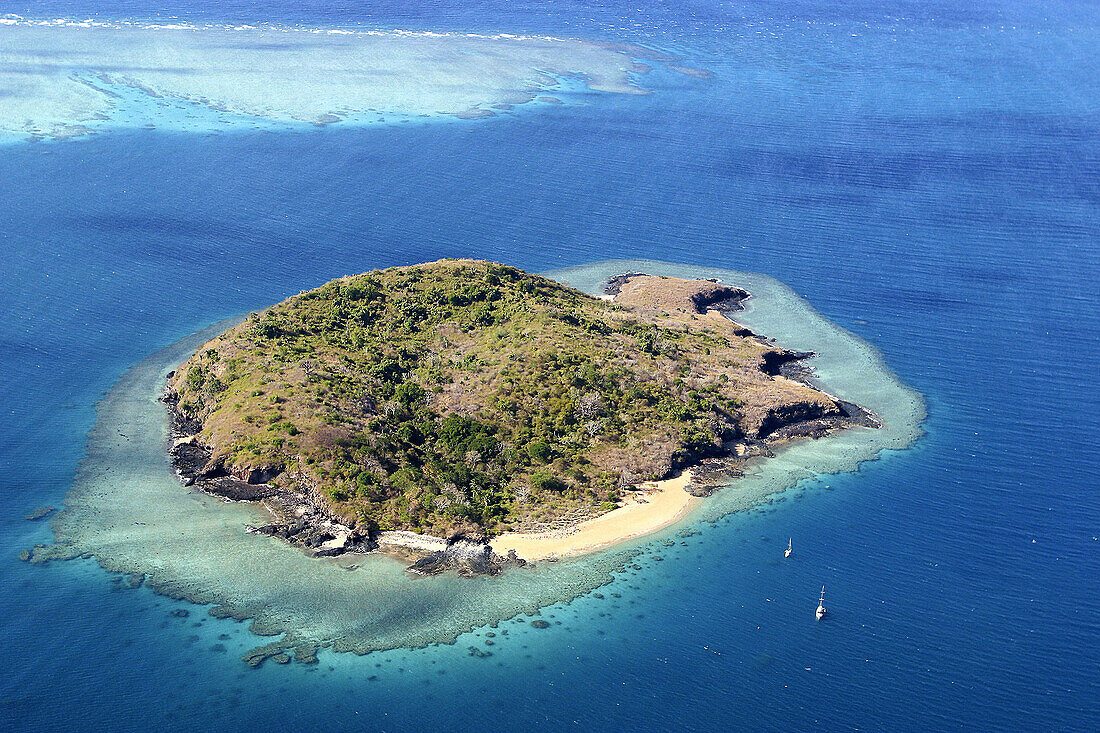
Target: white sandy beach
pixel 654 506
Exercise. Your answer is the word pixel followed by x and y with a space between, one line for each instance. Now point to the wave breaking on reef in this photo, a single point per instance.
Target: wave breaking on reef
pixel 127 509
pixel 65 78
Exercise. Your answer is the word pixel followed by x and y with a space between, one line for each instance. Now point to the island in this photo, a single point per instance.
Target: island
pixel 459 413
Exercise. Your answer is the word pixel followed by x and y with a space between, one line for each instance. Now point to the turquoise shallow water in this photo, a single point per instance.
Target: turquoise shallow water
pixel 923 174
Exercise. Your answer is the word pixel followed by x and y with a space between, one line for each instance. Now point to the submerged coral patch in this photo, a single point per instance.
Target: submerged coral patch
pixel 62 79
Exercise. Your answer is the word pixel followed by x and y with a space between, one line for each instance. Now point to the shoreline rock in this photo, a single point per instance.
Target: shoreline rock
pixel 304 523
pixel 717 297
pixel 299 520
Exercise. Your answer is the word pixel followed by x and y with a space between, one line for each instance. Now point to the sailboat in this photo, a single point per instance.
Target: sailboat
pixel 789 550
pixel 821 605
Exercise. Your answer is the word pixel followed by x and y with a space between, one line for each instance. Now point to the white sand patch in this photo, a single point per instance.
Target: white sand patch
pixel 654 506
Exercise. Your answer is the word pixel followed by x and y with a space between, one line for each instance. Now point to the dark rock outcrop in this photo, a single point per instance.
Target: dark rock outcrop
pixel 299 519
pixel 466 557
pixel 857 415
pixel 615 284
pixel 713 474
pixel 809 420
pixel 722 298
pixel 792 416
pixel 40 513
pixel 322 540
pixel 782 362
pixel 195 467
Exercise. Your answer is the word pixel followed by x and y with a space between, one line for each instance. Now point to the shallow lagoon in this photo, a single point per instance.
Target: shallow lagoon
pixel 69 78
pixel 128 510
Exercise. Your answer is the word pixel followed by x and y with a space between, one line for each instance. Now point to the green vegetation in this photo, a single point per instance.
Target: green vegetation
pixel 460 393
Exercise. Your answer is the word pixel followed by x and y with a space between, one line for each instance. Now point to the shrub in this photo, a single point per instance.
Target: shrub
pixel 409 394
pixel 196 376
pixel 540 451
pixel 543 480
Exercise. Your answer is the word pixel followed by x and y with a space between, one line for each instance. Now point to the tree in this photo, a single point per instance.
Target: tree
pixel 540 451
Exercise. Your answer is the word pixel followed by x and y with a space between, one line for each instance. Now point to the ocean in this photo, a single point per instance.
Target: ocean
pixel 925 175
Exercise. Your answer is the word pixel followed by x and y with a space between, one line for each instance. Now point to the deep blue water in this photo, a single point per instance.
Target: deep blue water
pixel 927 175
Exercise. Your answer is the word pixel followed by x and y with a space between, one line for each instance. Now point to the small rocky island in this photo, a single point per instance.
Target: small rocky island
pixel 422 410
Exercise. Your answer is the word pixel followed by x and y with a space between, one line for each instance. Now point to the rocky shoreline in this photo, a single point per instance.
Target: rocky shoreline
pixel 300 517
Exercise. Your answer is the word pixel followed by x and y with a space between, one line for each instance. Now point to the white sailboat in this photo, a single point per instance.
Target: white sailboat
pixel 789 550
pixel 821 605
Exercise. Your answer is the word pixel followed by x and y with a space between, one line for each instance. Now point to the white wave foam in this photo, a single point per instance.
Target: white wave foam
pixel 281 73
